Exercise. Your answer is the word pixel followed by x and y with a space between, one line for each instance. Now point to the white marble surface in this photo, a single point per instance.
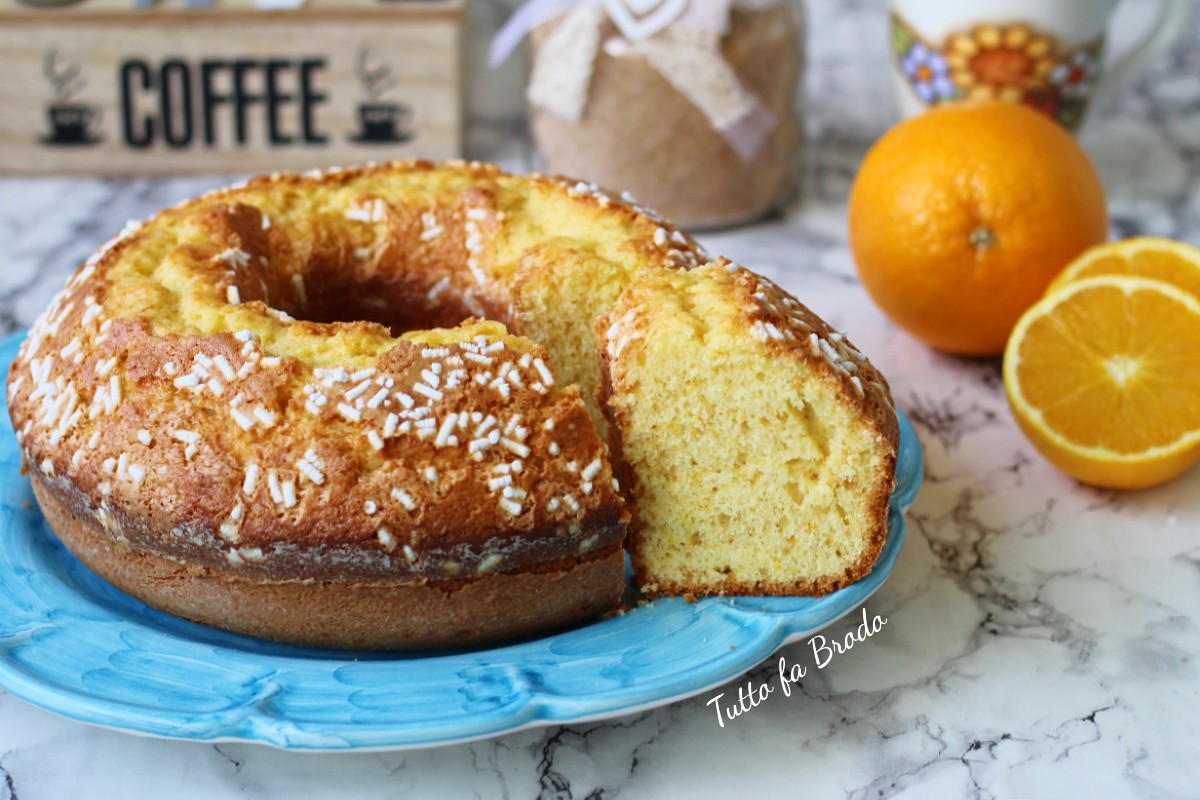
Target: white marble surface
pixel 1042 638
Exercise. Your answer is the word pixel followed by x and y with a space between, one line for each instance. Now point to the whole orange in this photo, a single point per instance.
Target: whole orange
pixel 961 216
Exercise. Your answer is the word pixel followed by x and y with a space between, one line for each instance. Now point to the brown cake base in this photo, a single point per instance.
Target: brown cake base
pixel 354 616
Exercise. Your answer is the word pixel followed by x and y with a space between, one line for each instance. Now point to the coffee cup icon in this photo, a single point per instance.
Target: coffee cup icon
pixel 71 124
pixel 383 123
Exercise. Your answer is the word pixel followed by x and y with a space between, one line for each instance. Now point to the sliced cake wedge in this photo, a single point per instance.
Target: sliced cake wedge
pixel 757 445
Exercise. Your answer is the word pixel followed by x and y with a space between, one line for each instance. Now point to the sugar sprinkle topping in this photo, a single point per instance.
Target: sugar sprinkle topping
pixel 382 406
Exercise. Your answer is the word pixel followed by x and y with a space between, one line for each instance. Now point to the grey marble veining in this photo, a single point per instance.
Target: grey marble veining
pixel 1042 637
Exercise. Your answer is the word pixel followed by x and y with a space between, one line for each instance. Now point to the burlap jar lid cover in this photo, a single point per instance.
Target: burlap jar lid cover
pixel 681 39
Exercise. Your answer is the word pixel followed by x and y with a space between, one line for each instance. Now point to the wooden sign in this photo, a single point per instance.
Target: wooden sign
pixel 103 87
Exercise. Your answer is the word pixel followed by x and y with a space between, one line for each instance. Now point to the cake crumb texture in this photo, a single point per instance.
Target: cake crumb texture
pixel 759 444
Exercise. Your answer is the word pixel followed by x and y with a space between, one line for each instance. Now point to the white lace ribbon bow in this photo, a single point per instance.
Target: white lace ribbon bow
pixel 681 39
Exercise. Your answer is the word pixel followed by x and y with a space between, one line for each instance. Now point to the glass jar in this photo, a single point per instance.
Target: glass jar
pixel 646 131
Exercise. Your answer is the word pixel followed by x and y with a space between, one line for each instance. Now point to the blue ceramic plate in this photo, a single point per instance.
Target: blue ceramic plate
pixel 74 645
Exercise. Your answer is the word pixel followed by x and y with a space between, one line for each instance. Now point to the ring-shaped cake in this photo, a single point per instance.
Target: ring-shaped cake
pixel 262 409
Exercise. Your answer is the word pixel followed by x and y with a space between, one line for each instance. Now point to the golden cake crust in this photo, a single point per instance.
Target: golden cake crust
pixel 788 329
pixel 169 395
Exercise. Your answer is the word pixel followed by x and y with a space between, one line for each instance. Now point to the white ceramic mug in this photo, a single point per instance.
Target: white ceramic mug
pixel 1047 54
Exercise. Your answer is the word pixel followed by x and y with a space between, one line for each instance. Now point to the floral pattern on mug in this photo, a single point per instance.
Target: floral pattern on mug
pixel 993 62
pixel 928 73
pixel 1076 76
pixel 1014 62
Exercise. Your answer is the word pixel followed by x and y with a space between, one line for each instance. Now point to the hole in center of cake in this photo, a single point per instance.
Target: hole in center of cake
pixel 392 296
pixel 320 276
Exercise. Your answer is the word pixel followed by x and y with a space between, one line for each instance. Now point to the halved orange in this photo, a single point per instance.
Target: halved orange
pixel 1103 376
pixel 1176 263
